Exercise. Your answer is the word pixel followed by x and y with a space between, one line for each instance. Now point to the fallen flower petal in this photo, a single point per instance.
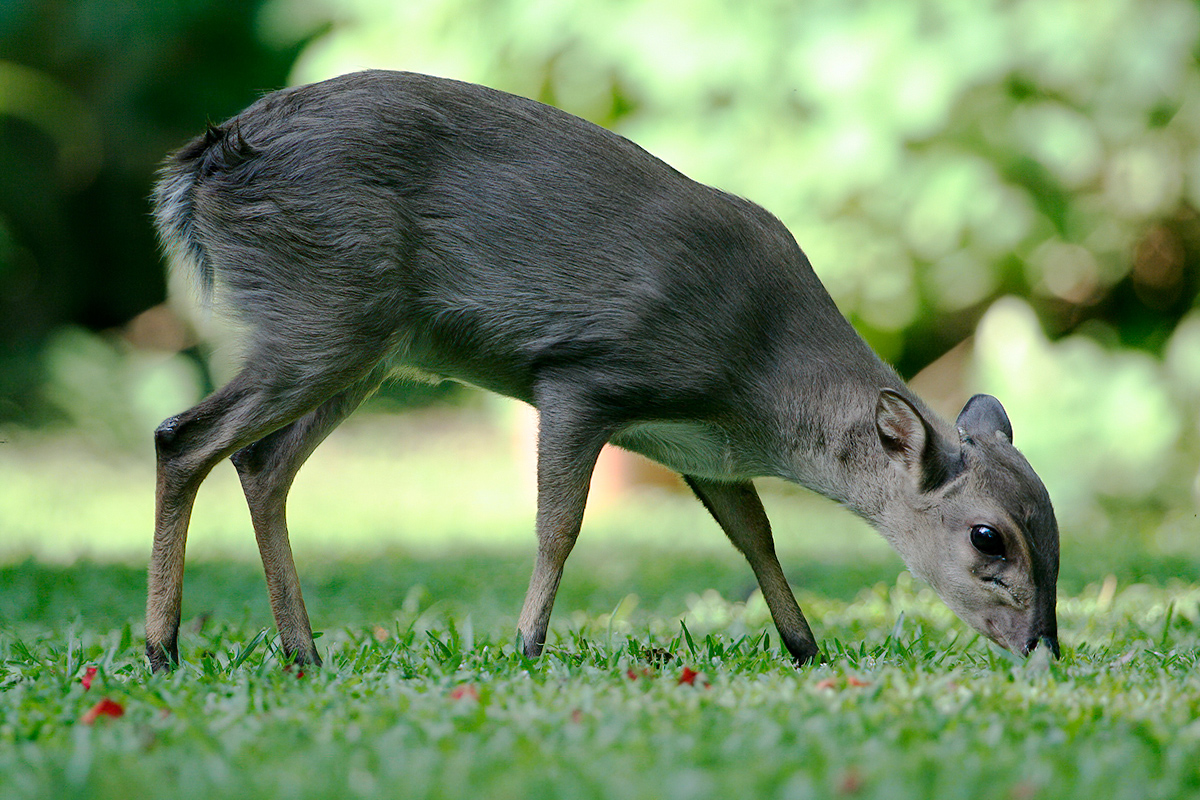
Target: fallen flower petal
pixel 852 781
pixel 105 708
pixel 853 681
pixel 827 683
pixel 89 675
pixel 688 676
pixel 467 690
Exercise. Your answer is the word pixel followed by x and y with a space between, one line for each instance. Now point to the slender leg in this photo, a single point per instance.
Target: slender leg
pixel 567 452
pixel 188 446
pixel 739 512
pixel 266 469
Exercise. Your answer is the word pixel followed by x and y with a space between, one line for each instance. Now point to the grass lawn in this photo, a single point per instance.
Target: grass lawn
pixel 663 679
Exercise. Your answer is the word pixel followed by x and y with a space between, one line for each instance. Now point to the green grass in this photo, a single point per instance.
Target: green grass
pixel 426 703
pixel 424 696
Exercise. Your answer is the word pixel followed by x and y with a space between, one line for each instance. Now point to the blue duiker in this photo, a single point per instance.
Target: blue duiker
pixel 387 223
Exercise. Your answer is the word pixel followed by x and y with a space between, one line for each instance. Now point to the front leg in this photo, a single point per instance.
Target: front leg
pixel 569 440
pixel 739 512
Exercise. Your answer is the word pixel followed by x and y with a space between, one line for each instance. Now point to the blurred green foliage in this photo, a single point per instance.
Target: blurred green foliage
pixel 936 159
pixel 93 93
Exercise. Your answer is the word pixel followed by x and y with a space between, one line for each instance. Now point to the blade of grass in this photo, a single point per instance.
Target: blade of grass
pixel 687 637
pixel 245 652
pixel 1166 631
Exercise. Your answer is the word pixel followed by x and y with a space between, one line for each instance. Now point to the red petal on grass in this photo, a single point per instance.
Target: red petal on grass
pixel 851 783
pixel 688 676
pixel 577 716
pixel 1023 790
pixel 827 683
pixel 633 676
pixel 105 708
pixel 467 690
pixel 89 675
pixel 853 681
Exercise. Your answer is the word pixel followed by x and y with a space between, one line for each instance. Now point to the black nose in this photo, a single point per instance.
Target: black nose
pixel 1050 642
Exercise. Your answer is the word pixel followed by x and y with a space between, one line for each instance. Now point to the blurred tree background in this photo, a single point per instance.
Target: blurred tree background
pixel 1002 196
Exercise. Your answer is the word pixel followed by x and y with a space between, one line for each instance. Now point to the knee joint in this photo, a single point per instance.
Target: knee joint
pixel 166 435
pixel 247 460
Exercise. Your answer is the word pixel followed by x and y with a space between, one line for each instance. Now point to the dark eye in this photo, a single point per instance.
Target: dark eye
pixel 987 541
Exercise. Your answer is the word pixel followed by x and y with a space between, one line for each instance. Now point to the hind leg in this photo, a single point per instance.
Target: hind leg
pixel 259 400
pixel 266 469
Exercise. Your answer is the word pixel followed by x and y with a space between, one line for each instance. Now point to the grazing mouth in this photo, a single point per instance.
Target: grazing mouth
pixel 1048 643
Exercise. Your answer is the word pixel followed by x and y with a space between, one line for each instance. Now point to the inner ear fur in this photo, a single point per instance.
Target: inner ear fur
pixel 902 430
pixel 908 438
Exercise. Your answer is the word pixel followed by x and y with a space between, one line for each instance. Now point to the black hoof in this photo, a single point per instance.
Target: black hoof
pixel 163 658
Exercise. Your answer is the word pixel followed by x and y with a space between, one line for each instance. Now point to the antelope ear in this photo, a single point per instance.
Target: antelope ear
pixel 984 416
pixel 909 439
pixel 902 431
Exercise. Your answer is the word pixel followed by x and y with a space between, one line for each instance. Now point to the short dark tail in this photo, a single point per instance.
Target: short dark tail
pixel 219 148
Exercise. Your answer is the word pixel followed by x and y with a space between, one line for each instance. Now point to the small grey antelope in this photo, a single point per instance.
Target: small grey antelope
pixel 382 223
